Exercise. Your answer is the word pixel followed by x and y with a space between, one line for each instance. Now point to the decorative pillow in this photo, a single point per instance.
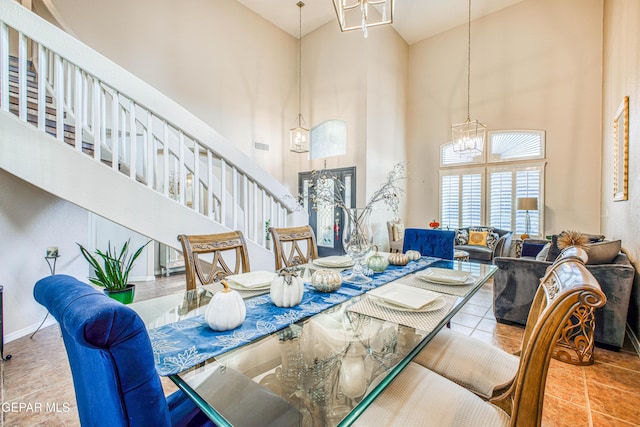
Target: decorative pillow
pixel 554 250
pixel 542 255
pixel 603 252
pixel 462 236
pixel 487 229
pixel 492 239
pixel 398 231
pixel 478 238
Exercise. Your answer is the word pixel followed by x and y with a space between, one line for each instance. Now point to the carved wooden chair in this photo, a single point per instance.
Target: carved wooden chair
pixel 419 396
pixel 395 229
pixel 194 246
pixel 478 366
pixel 287 246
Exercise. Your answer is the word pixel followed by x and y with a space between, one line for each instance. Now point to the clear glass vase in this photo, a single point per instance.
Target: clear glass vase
pixel 356 241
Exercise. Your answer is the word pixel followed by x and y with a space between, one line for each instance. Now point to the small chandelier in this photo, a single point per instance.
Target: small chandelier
pixel 299 135
pixel 468 137
pixel 355 15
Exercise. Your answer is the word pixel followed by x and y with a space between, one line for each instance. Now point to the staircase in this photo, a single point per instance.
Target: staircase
pixel 82 128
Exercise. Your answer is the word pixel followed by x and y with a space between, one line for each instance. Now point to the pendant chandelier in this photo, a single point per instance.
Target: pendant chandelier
pixel 299 135
pixel 354 14
pixel 468 137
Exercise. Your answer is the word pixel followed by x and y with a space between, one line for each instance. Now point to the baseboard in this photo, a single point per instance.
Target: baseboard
pixel 29 329
pixel 634 339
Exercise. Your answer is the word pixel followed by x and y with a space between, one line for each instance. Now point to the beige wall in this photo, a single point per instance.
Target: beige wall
pixel 362 81
pixel 534 65
pixel 227 65
pixel 620 220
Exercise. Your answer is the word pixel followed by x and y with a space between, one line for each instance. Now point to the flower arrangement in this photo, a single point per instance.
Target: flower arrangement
pixel 329 190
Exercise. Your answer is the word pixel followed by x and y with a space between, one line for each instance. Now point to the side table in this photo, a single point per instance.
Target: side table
pixel 460 255
pixel 8 356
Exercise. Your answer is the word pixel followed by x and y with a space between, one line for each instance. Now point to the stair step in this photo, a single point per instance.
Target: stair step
pixel 31 94
pixel 32 106
pixel 14 70
pixel 13 78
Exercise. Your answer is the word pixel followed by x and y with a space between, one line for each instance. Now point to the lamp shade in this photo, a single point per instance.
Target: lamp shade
pixel 527 204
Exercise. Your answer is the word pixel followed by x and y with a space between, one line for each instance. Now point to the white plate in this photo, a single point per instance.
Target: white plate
pixel 435 305
pixel 406 296
pixel 471 280
pixel 334 261
pixel 251 281
pixel 444 276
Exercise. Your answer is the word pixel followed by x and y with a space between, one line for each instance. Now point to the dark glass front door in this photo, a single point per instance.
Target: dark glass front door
pixel 326 219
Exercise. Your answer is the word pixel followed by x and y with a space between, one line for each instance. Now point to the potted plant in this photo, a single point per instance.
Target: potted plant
pixel 112 269
pixel 267 234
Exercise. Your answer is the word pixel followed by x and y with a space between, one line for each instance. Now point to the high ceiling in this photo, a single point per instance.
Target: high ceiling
pixel 415 20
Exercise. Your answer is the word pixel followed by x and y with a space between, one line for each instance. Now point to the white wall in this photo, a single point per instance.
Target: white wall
pixel 534 65
pixel 620 220
pixel 30 221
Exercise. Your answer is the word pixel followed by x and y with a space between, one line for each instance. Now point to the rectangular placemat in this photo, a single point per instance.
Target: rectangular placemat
pixel 426 321
pixel 458 290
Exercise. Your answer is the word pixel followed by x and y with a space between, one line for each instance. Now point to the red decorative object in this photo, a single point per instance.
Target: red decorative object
pixel 434 224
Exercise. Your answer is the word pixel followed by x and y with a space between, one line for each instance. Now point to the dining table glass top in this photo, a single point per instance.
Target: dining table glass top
pixel 321 370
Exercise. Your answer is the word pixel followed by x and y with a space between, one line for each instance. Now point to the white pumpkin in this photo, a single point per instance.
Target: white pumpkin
pixel 413 255
pixel 226 310
pixel 286 289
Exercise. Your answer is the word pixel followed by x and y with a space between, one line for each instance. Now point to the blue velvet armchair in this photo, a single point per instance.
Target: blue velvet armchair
pixel 111 360
pixel 436 243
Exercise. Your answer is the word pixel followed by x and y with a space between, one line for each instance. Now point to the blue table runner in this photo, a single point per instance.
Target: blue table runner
pixel 181 345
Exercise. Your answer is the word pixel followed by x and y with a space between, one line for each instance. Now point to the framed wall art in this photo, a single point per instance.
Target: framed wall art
pixel 621 152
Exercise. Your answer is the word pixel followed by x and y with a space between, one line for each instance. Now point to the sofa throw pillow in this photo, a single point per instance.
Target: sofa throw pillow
pixel 554 250
pixel 478 238
pixel 542 255
pixel 492 239
pixel 462 236
pixel 603 252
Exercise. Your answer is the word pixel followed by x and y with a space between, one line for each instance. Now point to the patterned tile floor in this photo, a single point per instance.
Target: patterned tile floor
pixel 37 389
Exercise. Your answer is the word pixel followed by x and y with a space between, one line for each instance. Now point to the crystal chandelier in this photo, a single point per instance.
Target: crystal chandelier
pixel 299 135
pixel 354 14
pixel 468 137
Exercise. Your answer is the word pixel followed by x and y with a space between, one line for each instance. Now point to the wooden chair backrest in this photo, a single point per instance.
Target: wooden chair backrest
pixel 390 225
pixel 287 245
pixel 565 287
pixel 195 245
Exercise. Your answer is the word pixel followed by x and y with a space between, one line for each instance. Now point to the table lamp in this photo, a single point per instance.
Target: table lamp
pixel 527 204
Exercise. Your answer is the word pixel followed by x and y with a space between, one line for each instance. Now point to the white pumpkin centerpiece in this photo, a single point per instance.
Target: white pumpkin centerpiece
pixel 413 255
pixel 286 289
pixel 226 310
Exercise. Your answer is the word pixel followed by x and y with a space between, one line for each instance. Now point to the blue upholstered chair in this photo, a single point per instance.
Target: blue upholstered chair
pixel 111 360
pixel 436 243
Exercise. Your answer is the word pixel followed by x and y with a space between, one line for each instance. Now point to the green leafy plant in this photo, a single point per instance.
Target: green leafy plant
pixel 112 268
pixel 267 225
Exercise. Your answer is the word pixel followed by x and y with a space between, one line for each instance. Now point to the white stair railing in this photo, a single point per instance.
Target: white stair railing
pixel 66 89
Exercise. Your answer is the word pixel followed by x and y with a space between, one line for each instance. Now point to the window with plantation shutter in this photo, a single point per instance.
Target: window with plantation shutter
pixel 501 200
pixel 449 201
pixel 471 200
pixel 461 199
pixel 471 196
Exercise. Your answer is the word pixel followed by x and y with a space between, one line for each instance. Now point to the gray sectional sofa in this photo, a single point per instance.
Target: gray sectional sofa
pixel 517 279
pixel 484 254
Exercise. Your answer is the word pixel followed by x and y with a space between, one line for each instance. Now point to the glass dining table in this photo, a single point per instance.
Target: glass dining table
pixel 322 369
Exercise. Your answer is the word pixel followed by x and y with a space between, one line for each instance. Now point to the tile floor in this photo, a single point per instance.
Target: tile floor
pixel 37 389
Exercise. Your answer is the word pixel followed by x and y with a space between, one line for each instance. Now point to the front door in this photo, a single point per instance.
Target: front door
pixel 326 219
